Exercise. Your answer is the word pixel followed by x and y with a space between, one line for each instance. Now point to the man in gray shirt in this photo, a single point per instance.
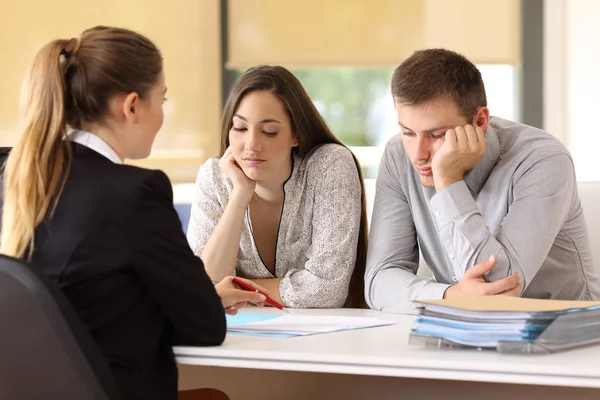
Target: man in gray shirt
pixel 492 204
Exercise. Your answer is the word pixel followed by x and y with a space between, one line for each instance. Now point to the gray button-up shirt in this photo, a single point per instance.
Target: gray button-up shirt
pixel 520 203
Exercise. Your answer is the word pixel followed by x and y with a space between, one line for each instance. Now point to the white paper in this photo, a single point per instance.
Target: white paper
pixel 290 324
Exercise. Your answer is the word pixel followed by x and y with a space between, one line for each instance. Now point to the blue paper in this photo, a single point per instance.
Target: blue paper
pixel 296 325
pixel 244 318
pixel 272 335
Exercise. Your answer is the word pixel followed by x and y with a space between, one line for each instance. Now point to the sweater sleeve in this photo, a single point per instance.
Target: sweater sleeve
pixel 206 208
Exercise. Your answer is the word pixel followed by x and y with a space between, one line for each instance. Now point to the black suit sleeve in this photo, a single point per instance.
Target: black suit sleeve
pixel 174 275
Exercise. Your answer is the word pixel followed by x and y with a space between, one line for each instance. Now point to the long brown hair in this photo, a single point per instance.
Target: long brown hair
pixel 69 85
pixel 311 131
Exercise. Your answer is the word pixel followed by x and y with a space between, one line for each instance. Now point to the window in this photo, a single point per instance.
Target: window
pixel 357 104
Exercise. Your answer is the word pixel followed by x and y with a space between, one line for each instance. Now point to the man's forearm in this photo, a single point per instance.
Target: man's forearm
pixel 393 290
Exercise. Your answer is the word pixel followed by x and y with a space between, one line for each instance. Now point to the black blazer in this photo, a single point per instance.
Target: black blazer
pixel 116 248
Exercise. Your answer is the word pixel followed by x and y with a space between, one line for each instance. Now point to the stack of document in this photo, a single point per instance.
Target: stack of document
pixel 508 323
pixel 290 325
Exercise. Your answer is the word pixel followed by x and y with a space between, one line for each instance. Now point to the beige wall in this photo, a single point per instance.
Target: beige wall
pixel 187 32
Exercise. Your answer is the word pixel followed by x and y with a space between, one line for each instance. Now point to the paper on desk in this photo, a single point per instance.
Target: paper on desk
pixel 499 306
pixel 288 325
pixel 501 303
pixel 509 323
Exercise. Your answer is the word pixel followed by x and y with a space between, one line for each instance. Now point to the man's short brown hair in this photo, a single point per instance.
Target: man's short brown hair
pixel 437 73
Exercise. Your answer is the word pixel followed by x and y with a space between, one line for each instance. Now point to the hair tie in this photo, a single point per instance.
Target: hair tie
pixel 71 47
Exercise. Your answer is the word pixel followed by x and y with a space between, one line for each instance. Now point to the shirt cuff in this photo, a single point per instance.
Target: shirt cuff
pixel 285 288
pixel 433 291
pixel 450 203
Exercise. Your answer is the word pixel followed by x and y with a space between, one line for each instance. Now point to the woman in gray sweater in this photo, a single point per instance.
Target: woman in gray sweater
pixel 284 205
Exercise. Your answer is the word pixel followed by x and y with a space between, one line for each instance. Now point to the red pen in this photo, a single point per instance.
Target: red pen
pixel 244 286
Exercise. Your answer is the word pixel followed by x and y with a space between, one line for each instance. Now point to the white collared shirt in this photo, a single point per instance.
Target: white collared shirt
pixel 94 142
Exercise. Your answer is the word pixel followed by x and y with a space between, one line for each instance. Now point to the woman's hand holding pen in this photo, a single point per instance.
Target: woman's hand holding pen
pixel 243 187
pixel 234 298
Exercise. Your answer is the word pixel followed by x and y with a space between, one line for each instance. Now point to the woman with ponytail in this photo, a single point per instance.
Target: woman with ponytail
pixel 105 232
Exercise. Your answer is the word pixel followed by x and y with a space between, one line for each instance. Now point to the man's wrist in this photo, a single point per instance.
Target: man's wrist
pixel 443 182
pixel 448 293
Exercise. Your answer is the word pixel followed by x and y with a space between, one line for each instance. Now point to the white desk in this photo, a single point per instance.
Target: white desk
pixel 379 363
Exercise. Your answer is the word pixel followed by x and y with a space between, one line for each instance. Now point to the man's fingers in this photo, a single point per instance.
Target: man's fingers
pixel 461 137
pixel 480 134
pixel 471 136
pixel 481 139
pixel 477 271
pixel 450 136
pixel 503 285
pixel 516 291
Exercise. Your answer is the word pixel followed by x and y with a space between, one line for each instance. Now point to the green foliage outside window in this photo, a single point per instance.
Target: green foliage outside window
pixel 351 100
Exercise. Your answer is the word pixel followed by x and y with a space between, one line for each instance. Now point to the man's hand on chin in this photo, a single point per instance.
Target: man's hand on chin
pixel 463 149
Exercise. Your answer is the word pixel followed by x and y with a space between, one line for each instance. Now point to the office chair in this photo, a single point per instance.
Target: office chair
pixel 183 211
pixel 46 352
pixel 4 152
